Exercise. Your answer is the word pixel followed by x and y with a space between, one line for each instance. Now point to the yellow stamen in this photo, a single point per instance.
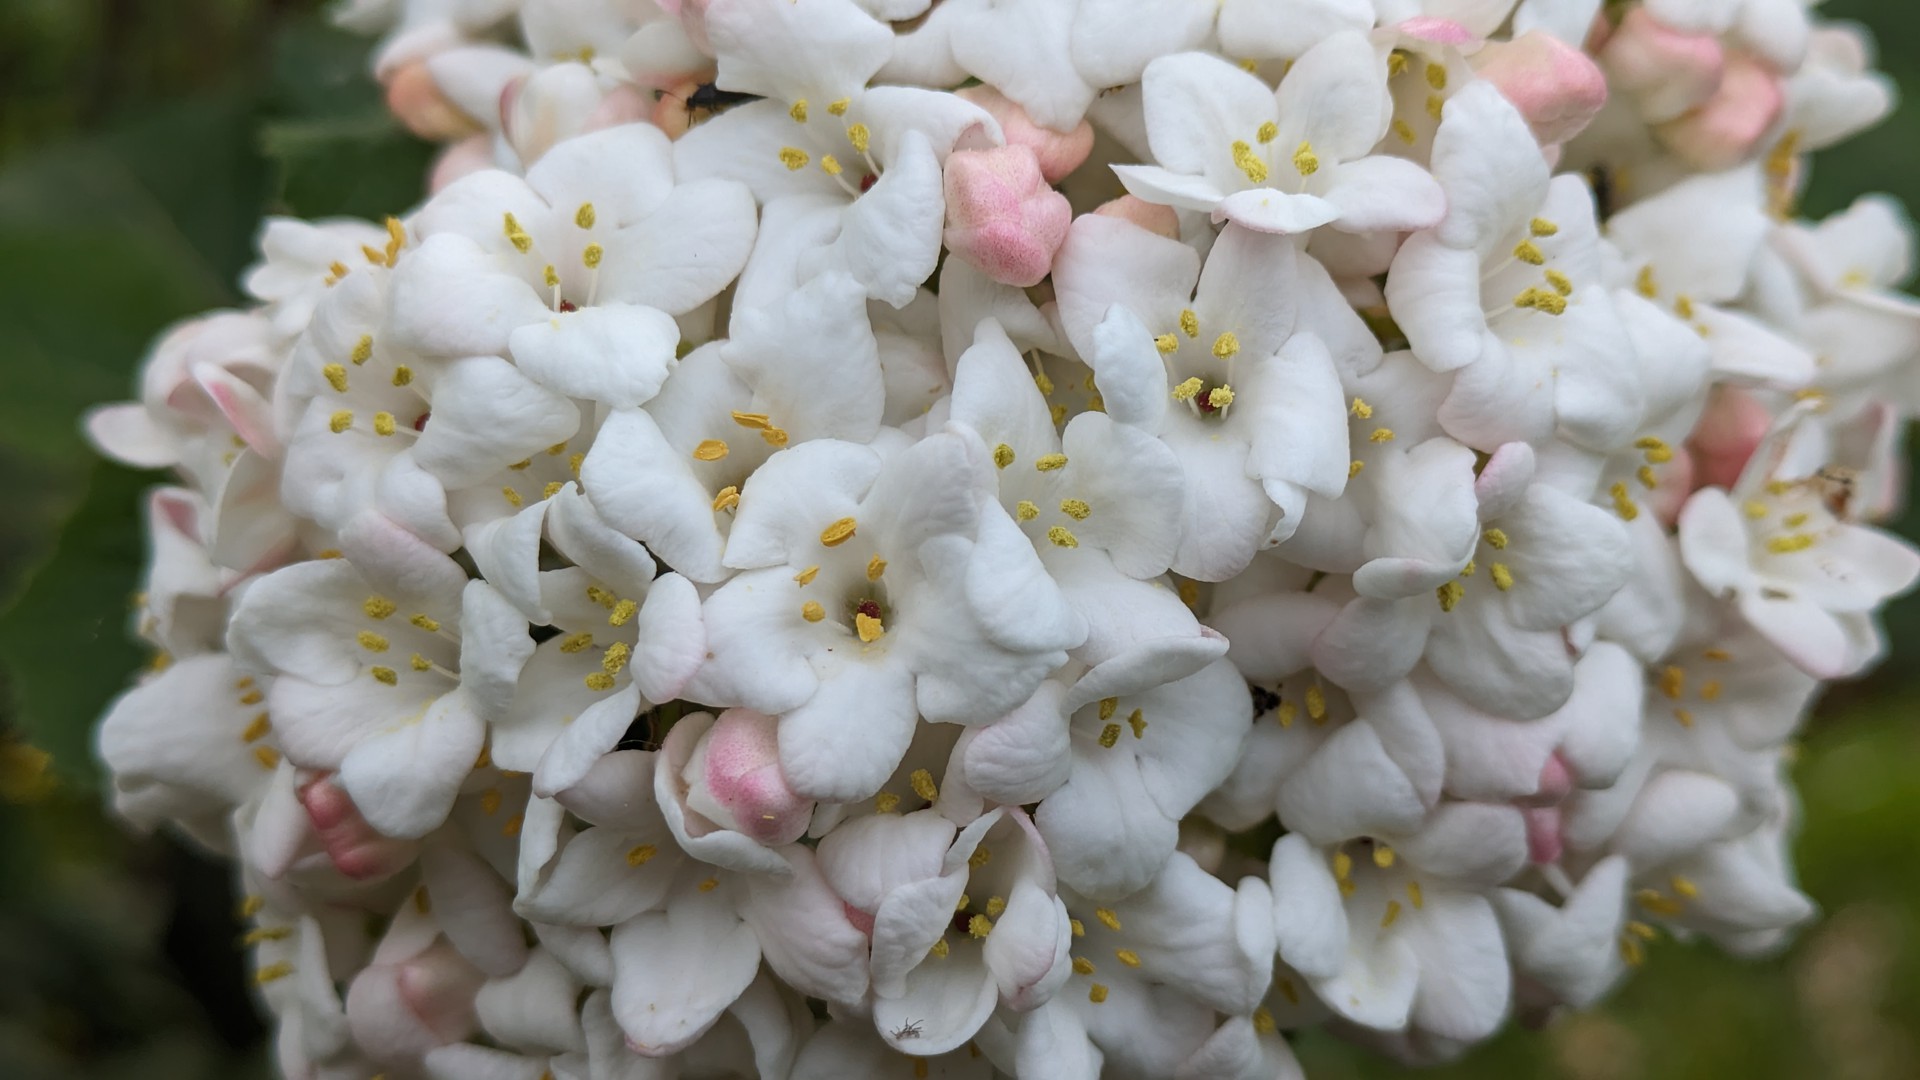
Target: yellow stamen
pixel 979 926
pixel 1097 993
pixel 1267 132
pixel 336 376
pixel 600 681
pixel 1248 162
pixel 799 111
pixel 922 782
pixel 1107 918
pixel 584 217
pixel 1025 510
pixel 1305 161
pixel 1220 397
pixel 1450 594
pixel 641 855
pixel 859 136
pixel 727 499
pixel 1226 345
pixel 378 607
pixel 383 424
pixel 1542 227
pixel 340 421
pixel 1189 323
pixel 868 627
pixel 1167 343
pixel 794 158
pixel 1138 722
pixel 1790 543
pixel 1082 966
pixel 1002 456
pixel 1502 577
pixel 1110 736
pixel 1188 389
pixel 402 375
pixel 1392 915
pixel 1061 536
pixel 838 533
pixel 839 107
pixel 1128 957
pixel 1050 462
pixel 591 254
pixel 1529 252
pixel 371 641
pixel 805 577
pixel 1076 509
pixel 385 675
pixel 710 450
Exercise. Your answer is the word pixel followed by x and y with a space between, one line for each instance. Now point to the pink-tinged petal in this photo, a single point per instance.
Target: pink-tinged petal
pixel 1665 71
pixel 1057 153
pixel 734 778
pixel 1001 215
pixel 1554 85
pixel 806 931
pixel 355 849
pixel 400 1011
pixel 1726 130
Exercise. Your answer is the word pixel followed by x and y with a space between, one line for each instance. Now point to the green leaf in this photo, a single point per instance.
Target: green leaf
pixel 64 642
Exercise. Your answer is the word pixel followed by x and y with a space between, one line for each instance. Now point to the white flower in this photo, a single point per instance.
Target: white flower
pixel 1287 160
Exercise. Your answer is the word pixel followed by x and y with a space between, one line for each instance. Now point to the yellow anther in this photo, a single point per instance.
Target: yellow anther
pixel 1631 951
pixel 1684 887
pixel 838 533
pixel 1002 456
pixel 1267 132
pixel 1226 345
pixel 513 497
pixel 1710 690
pixel 1541 300
pixel 425 622
pixel 267 756
pixel 591 254
pixel 1790 543
pixel 962 903
pixel 584 217
pixel 1381 435
pixel 1061 536
pixel 1138 722
pixel 1076 509
pixel 402 375
pixel 1404 131
pixel 1050 462
pixel 1645 475
pixel 1361 409
pixel 1097 993
pixel 576 642
pixel 600 681
pixel 1220 396
pixel 378 607
pixel 1673 681
pixel 1437 76
pixel 272 973
pixel 1248 162
pixel 1127 957
pixel 1414 894
pixel 641 855
pixel 615 658
pixel 1109 706
pixel 522 465
pixel 1683 306
pixel 1542 227
pixel 1392 914
pixel 1397 61
pixel 383 424
pixel 794 158
pixel 1189 323
pixel 1561 283
pixel 799 111
pixel 1449 594
pixel 1025 510
pixel 922 782
pixel 1382 856
pixel 812 611
pixel 876 566
pixel 1305 161
pixel 1529 252
pixel 830 165
pixel 336 376
pixel 385 675
pixel 252 697
pixel 1316 700
pixel 1794 521
pixel 727 499
pixel 1079 928
pixel 710 450
pixel 1188 389
pixel 859 136
pixel 886 802
pixel 805 577
pixel 1622 504
pixel 1435 105
pixel 250 906
pixel 336 271
pixel 515 234
pixel 1502 576
pixel 867 627
pixel 1644 284
pixel 839 108
pixel 750 419
pixel 340 421
pixel 490 802
pixel 396 239
pixel 773 436
pixel 1167 343
pixel 979 926
pixel 1286 713
pixel 1263 1021
pixel 623 611
pixel 267 933
pixel 371 641
pixel 709 885
pixel 1082 966
pixel 1641 930
pixel 1107 918
pixel 257 730
pixel 1496 538
pixel 362 350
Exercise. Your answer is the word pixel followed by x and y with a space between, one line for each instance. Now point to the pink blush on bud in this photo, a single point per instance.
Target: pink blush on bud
pixel 1556 87
pixel 1002 218
pixel 1544 843
pixel 1153 217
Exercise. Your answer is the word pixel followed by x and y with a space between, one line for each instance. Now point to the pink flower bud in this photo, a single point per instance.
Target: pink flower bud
pixel 469 155
pixel 1437 30
pixel 1555 86
pixel 624 104
pixel 672 115
pixel 1001 216
pixel 416 101
pixel 1152 217
pixel 1058 154
pixel 1676 483
pixel 400 1011
pixel 733 777
pixel 1725 131
pixel 355 849
pixel 1726 436
pixel 1544 842
pixel 1665 71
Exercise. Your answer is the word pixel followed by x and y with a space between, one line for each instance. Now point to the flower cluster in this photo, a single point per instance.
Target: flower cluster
pixel 871 538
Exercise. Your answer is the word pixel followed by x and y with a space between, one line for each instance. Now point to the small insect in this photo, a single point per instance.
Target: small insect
pixel 908 1030
pixel 711 99
pixel 1836 486
pixel 1601 179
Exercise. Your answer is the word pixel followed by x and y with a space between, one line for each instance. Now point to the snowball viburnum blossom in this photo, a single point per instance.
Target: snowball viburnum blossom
pixel 778 568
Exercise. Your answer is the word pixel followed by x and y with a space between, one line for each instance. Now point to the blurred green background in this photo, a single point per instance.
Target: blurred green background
pixel 141 142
